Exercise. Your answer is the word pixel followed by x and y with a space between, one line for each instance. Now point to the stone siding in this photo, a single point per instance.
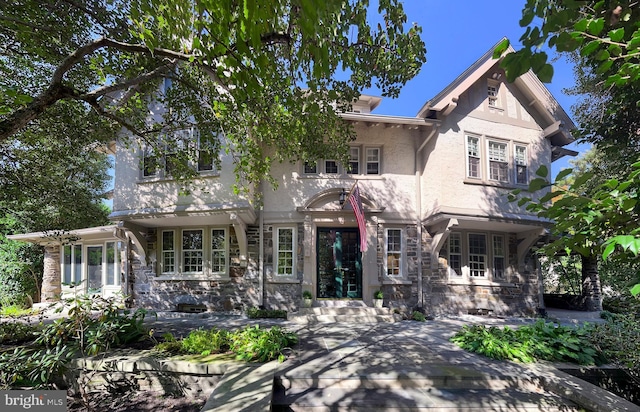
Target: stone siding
pixel 233 294
pixel 51 278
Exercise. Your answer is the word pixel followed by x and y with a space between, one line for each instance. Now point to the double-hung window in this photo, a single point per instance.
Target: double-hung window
pixel 393 252
pixel 285 251
pixel 373 160
pixel 473 157
pixel 520 167
pixel 498 161
pixel 168 258
pixel 455 253
pixel 192 251
pixel 331 167
pixel 498 257
pixel 354 161
pixel 477 254
pixel 219 251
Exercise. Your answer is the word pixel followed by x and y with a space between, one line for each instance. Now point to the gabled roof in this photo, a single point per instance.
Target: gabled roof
pixel 558 124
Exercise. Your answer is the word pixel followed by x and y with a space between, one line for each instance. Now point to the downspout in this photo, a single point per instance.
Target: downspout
pixel 261 253
pixel 418 172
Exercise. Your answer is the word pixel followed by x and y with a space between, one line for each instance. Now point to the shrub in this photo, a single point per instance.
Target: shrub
pixel 256 313
pixel 619 341
pixel 418 316
pixel 307 295
pixel 12 333
pixel 262 345
pixel 205 342
pixel 378 294
pixel 540 341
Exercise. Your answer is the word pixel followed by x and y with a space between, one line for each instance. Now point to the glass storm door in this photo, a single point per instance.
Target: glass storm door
pixel 339 272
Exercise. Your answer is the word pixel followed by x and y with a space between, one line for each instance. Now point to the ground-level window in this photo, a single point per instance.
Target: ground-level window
pixel 192 250
pixel 196 251
pixel 219 251
pixel 92 266
pixel 475 255
pixel 393 251
pixel 285 251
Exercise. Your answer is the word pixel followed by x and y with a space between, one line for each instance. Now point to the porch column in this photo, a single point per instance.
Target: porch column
pixel 51 281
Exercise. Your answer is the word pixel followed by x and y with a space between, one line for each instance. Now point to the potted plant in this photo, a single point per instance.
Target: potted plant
pixel 307 299
pixel 378 299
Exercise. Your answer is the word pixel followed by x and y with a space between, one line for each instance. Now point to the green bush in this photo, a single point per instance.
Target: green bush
pixel 418 316
pixel 12 333
pixel 256 313
pixel 619 341
pixel 621 304
pixel 205 342
pixel 95 324
pixel 262 345
pixel 540 341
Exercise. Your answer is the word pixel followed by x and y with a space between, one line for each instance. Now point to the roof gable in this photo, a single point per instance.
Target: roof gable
pixel 556 123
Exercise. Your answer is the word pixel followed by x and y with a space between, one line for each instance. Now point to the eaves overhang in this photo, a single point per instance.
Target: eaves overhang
pixel 389 121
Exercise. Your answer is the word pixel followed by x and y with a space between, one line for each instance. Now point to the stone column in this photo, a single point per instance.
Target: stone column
pixel 51 281
pixel 591 292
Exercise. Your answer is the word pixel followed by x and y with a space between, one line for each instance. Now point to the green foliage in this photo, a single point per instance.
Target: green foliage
pixel 39 368
pixel 418 316
pixel 93 325
pixel 257 313
pixel 562 274
pixel 15 311
pixel 306 294
pixel 378 294
pixel 205 342
pixel 605 33
pixel 619 341
pixel 261 345
pixel 12 333
pixel 242 69
pixel 540 341
pixel 621 304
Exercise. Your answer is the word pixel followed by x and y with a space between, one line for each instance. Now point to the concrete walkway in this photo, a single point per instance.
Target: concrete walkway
pixel 405 365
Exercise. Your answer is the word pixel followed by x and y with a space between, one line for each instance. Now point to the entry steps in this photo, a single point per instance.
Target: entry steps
pixel 345 314
pixel 414 393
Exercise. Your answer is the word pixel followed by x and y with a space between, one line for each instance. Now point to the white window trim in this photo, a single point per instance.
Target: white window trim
pixel 226 252
pixel 203 250
pixel 83 283
pixel 506 161
pixel 403 247
pixel 488 278
pixel 276 251
pixel 494 86
pixel 207 272
pixel 161 251
pixel 366 162
pixel 515 164
pixel 192 142
pixel 357 160
pixel 468 156
pixel 494 276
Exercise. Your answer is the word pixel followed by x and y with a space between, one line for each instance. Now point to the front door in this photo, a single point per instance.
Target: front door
pixel 339 272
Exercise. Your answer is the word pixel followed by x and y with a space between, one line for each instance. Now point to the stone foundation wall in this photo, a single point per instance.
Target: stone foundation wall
pixel 518 295
pixel 236 293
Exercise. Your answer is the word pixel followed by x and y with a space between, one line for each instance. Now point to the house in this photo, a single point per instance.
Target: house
pixel 439 233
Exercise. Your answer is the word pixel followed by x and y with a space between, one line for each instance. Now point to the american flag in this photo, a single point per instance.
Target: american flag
pixel 358 210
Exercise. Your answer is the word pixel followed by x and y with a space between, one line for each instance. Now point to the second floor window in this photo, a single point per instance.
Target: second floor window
pixel 373 160
pixel 498 165
pixel 362 160
pixel 188 146
pixel 521 160
pixel 473 157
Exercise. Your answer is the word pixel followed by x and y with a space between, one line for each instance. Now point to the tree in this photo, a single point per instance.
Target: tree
pixel 606 36
pixel 268 76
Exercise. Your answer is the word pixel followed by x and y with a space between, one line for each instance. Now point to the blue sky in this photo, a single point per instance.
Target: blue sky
pixel 456 34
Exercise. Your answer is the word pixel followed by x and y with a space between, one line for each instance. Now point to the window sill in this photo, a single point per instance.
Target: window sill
pixel 338 176
pixel 283 280
pixel 491 183
pixel 480 282
pixel 163 278
pixel 391 281
pixel 158 179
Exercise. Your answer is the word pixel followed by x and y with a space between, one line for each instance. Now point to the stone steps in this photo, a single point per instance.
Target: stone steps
pixel 380 393
pixel 345 314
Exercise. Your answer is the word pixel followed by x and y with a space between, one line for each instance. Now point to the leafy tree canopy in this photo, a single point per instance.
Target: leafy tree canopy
pixel 267 75
pixel 601 216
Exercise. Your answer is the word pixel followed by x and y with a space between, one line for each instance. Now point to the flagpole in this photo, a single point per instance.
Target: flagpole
pixel 349 194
